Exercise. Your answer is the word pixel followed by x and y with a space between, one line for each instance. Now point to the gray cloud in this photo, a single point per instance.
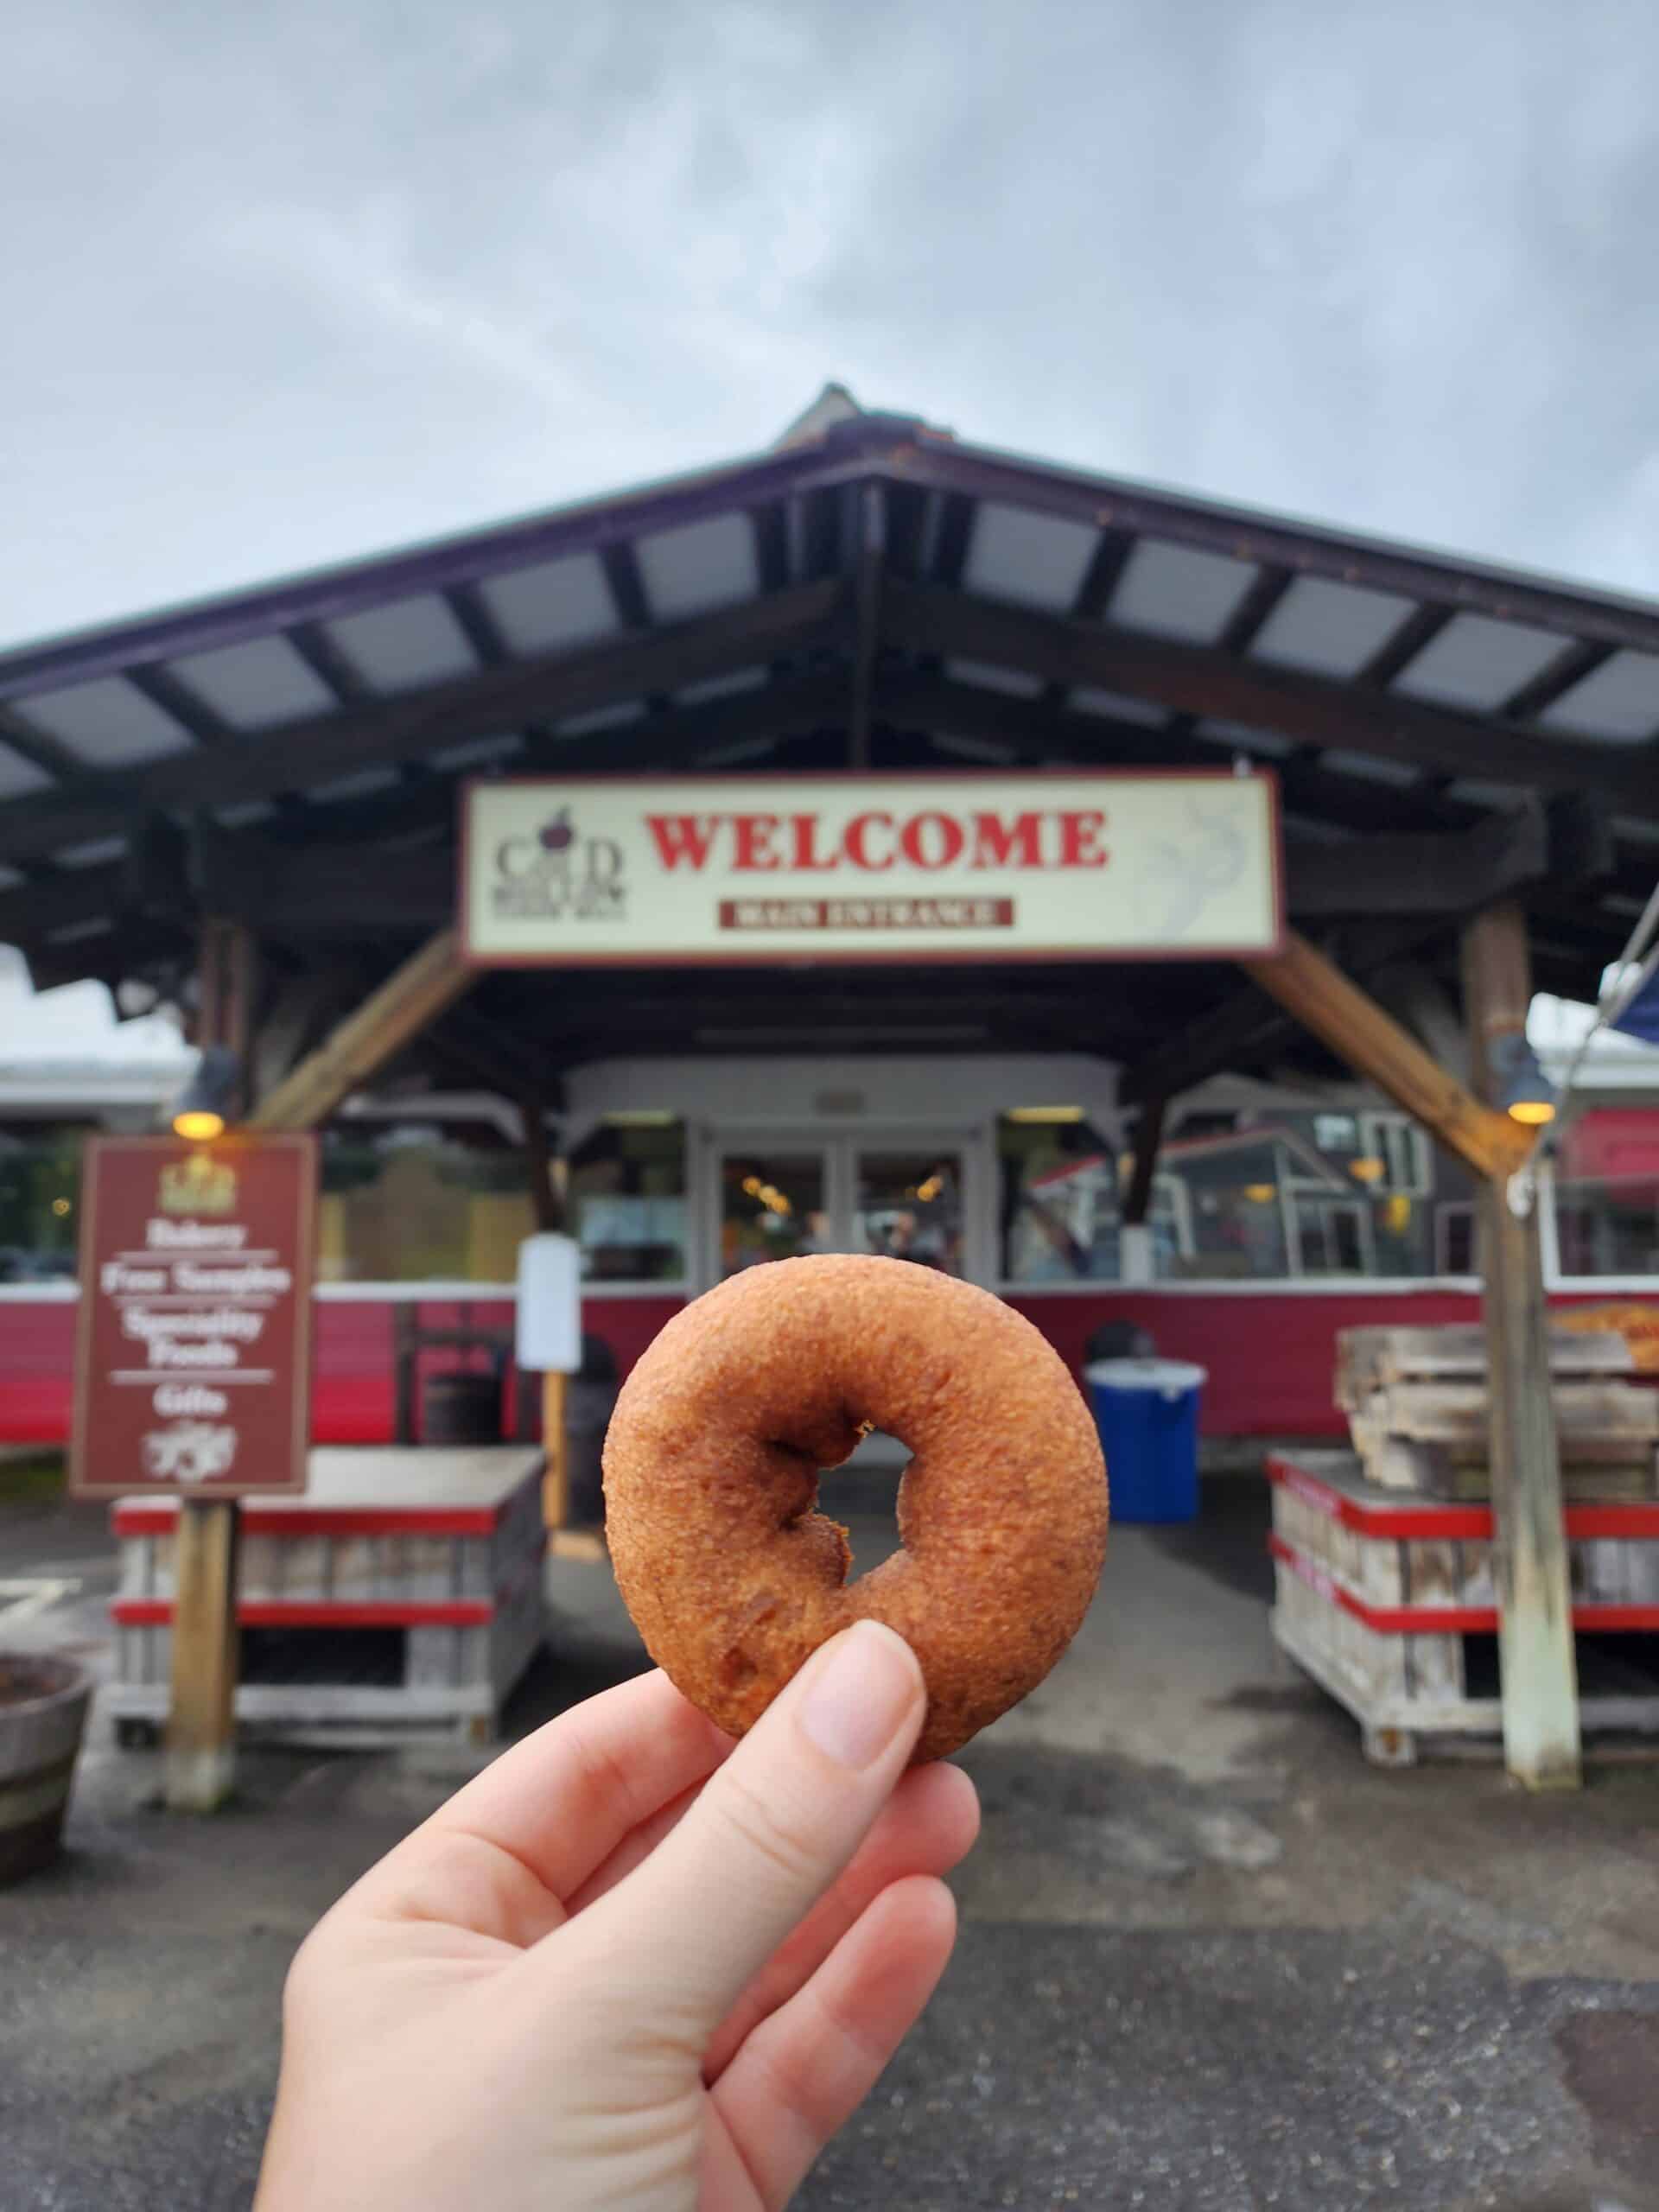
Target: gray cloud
pixel 291 285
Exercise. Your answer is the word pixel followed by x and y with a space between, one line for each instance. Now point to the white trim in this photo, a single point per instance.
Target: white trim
pixel 439 1293
pixel 59 1292
pixel 443 1292
pixel 1258 1287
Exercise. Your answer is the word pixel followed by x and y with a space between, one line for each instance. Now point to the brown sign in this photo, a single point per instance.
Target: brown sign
pixel 193 1369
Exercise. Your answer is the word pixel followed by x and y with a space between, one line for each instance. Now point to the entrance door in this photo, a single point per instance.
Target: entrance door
pixel 775 1194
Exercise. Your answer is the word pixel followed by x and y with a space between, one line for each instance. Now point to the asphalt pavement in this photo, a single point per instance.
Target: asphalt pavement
pixel 1208 1958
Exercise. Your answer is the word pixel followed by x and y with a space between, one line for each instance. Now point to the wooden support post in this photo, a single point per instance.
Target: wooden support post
pixel 538 1166
pixel 871 511
pixel 556 1481
pixel 200 1768
pixel 1312 988
pixel 413 995
pixel 226 981
pixel 1535 1650
pixel 202 1718
pixel 1148 1136
pixel 1137 1262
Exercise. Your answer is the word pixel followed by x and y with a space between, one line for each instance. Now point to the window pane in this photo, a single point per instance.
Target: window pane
pixel 1059 1203
pixel 909 1207
pixel 628 1201
pixel 40 1193
pixel 772 1208
pixel 417 1203
pixel 1607 1194
pixel 1226 1223
pixel 1333 1237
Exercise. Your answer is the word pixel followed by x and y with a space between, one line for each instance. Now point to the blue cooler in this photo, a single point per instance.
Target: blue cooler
pixel 1147 1411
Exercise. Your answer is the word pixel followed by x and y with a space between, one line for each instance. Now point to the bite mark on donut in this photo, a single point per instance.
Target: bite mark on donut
pixel 738 1668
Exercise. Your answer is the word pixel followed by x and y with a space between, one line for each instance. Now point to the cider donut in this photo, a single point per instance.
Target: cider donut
pixel 711 1477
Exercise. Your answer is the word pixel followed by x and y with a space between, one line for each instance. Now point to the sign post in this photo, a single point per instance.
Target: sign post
pixel 549 1342
pixel 193 1379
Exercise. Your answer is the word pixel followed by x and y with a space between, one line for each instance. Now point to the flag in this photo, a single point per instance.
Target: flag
pixel 1641 1018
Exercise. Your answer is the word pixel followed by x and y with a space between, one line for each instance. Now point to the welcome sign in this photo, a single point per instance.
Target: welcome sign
pixel 704 870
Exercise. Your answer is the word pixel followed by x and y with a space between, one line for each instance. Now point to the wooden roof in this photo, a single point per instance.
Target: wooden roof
pixel 870 591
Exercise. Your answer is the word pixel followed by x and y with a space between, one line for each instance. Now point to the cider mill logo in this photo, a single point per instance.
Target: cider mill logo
pixel 197 1184
pixel 559 876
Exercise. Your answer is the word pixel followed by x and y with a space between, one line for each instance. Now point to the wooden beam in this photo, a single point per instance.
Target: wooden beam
pixel 1350 1023
pixel 180 704
pixel 555 1451
pixel 1454 873
pixel 1148 1136
pixel 1204 681
pixel 227 970
pixel 1536 1649
pixel 866 616
pixel 410 998
pixel 201 1759
pixel 41 750
pixel 294 1010
pixel 967 474
pixel 538 1165
pixel 387 731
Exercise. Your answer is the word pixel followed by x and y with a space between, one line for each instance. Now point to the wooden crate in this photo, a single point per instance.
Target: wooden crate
pixel 1371 1358
pixel 1417 1410
pixel 1377 1593
pixel 443 1548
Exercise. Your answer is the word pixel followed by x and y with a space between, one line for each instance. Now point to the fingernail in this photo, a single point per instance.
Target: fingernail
pixel 862 1696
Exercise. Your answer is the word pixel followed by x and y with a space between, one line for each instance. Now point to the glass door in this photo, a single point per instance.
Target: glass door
pixel 908 1205
pixel 773 1203
pixel 771 1195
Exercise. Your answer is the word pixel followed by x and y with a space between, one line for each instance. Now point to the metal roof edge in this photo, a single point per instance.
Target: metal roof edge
pixel 845 450
pixel 872 443
pixel 1128 499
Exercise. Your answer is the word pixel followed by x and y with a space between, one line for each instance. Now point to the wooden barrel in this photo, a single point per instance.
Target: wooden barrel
pixel 43 1705
pixel 461 1409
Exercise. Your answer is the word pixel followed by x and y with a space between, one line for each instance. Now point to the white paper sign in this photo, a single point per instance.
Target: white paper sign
pixel 751 870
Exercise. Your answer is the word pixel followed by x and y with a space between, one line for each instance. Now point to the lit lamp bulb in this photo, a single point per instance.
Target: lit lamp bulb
pixel 199 1111
pixel 198 1125
pixel 1524 1091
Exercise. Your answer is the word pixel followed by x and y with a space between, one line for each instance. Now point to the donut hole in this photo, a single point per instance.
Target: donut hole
pixel 865 1488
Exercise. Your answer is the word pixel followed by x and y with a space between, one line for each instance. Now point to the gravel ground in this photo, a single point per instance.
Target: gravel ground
pixel 1209 1959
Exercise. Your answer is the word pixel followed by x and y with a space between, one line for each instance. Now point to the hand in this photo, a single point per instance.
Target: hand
pixel 631 1965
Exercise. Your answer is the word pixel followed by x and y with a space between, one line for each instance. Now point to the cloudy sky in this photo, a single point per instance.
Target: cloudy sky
pixel 291 283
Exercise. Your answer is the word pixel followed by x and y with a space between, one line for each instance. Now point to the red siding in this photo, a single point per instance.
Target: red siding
pixel 1269 1353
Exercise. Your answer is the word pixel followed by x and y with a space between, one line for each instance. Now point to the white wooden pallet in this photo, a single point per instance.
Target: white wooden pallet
pixel 444 1548
pixel 1376 1592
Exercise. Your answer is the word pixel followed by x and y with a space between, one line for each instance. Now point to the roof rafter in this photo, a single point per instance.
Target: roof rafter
pixel 395 729
pixel 1200 680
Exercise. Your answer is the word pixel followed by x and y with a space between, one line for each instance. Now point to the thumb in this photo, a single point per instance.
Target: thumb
pixel 771 1830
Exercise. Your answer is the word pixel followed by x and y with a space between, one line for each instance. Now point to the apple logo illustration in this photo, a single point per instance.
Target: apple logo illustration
pixel 558 836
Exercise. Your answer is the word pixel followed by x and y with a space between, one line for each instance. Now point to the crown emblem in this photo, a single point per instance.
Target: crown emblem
pixel 197 1184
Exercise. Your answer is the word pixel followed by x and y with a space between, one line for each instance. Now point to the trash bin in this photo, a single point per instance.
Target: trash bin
pixel 461 1408
pixel 1147 1411
pixel 1120 1340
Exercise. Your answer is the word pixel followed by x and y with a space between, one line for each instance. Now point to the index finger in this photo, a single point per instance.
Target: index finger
pixel 563 1800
